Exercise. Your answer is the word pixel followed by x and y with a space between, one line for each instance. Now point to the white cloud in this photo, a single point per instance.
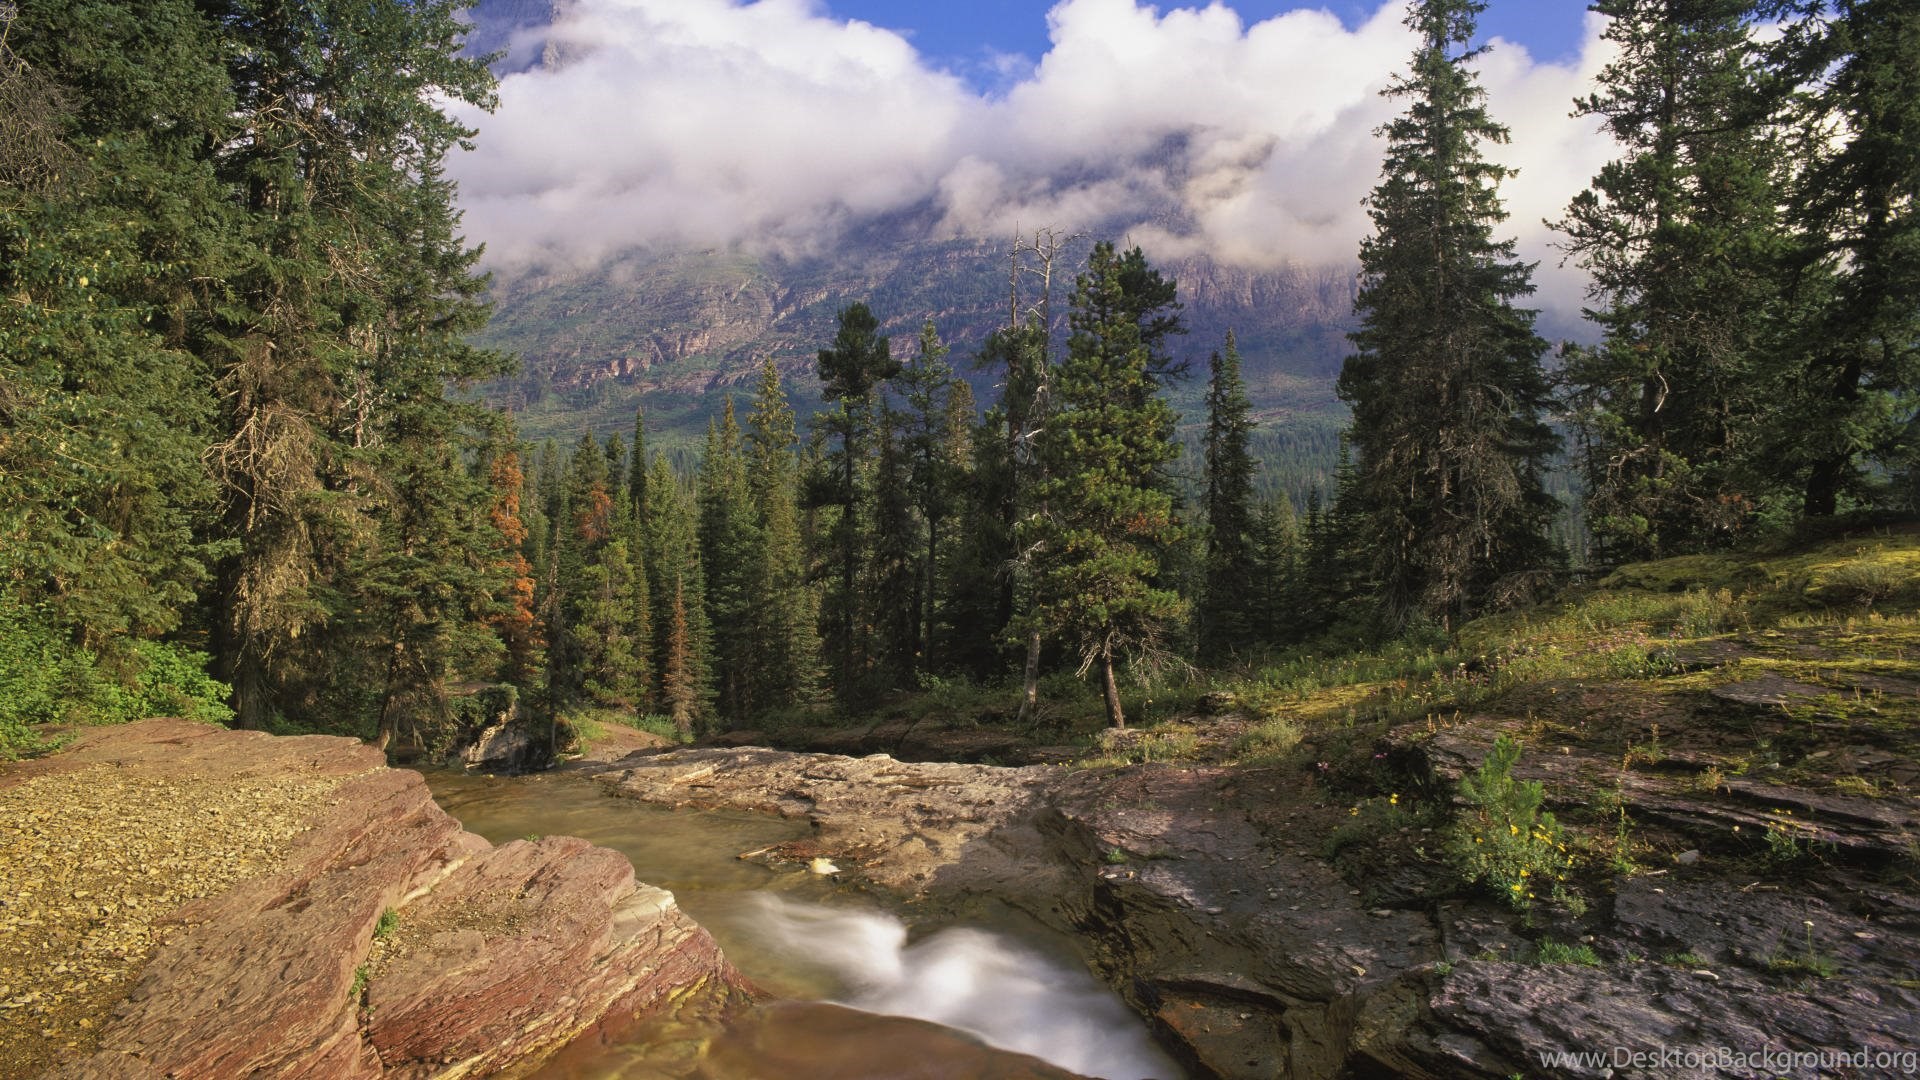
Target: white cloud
pixel 712 122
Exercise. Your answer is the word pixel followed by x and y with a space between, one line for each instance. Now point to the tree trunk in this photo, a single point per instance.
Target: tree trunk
pixel 1111 689
pixel 1030 685
pixel 1823 482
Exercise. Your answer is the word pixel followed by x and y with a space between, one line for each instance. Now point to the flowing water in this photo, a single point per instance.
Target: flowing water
pixel 865 994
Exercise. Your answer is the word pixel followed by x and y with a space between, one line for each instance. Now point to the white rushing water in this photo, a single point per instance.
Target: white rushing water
pixel 979 982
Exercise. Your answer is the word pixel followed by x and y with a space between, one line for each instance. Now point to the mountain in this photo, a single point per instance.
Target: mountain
pixel 683 329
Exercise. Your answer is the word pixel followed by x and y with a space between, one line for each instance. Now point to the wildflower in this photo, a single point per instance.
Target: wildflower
pixel 1394 799
pixel 1516 886
pixel 1355 812
pixel 1514 829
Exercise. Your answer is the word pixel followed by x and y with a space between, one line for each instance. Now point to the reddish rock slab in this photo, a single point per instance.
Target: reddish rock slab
pixel 495 958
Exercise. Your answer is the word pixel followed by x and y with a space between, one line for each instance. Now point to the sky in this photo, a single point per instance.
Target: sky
pixel 1245 132
pixel 965 35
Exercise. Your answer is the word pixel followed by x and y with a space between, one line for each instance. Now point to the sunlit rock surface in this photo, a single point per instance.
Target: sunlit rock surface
pixel 493 957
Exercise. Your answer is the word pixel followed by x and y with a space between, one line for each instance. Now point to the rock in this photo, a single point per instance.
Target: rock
pixel 498 955
pixel 1489 1019
pixel 912 828
pixel 505 747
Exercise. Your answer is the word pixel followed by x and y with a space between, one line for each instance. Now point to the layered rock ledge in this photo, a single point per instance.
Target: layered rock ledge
pixel 181 900
pixel 1210 902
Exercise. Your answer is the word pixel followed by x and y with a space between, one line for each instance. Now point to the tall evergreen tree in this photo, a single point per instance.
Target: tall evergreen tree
pixel 1445 382
pixel 1277 572
pixel 1227 614
pixel 785 643
pixel 682 660
pixel 1849 392
pixel 850 372
pixel 731 542
pixel 935 431
pixel 891 583
pixel 1105 515
pixel 1681 238
pixel 108 215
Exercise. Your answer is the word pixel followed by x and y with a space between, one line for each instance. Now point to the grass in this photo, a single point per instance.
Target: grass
pixel 383 928
pixel 588 726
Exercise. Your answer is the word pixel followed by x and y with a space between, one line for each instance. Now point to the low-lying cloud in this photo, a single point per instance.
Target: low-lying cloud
pixel 772 124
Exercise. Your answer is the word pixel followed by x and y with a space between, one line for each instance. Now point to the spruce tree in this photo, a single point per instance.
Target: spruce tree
pixel 1852 359
pixel 1227 615
pixel 682 657
pixel 731 542
pixel 1106 515
pixel 1445 382
pixel 935 433
pixel 785 643
pixel 1681 238
pixel 850 371
pixel 891 586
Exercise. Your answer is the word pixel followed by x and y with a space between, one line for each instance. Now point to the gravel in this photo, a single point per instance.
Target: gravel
pixel 94 864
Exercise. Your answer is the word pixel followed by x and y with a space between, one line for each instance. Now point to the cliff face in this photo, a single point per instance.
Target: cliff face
pixel 681 326
pixel 197 902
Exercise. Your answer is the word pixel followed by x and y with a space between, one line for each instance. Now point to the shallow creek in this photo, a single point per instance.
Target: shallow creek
pixel 866 990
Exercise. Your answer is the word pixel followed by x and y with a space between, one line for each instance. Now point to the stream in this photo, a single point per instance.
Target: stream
pixel 864 988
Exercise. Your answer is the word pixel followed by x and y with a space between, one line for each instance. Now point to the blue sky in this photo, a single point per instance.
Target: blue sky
pixel 958 34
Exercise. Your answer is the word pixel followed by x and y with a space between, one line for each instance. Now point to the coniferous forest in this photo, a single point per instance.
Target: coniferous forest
pixel 245 474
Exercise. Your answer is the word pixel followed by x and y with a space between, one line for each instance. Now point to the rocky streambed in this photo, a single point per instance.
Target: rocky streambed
pixel 1211 902
pixel 188 901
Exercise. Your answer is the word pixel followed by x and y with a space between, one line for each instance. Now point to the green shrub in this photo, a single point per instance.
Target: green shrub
pixel 1268 741
pixel 1503 841
pixel 46 679
pixel 1554 952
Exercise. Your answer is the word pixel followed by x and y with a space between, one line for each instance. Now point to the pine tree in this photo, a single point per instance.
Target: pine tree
pixel 683 637
pixel 638 470
pixel 850 371
pixel 106 114
pixel 1680 235
pixel 731 548
pixel 1227 614
pixel 1277 572
pixel 785 645
pixel 892 581
pixel 935 427
pixel 1105 515
pixel 1445 381
pixel 1853 356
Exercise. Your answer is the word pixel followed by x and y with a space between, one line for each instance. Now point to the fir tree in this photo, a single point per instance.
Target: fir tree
pixel 1681 239
pixel 1106 516
pixel 1852 360
pixel 850 371
pixel 731 548
pixel 678 588
pixel 936 426
pixel 1445 382
pixel 892 593
pixel 1227 614
pixel 785 643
